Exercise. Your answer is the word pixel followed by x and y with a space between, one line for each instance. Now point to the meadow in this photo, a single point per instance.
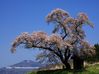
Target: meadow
pixel 94 69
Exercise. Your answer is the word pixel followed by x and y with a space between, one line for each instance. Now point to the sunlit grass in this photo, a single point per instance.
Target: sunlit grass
pixel 90 70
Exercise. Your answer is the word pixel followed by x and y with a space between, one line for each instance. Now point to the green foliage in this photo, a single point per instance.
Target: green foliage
pixel 90 70
pixel 97 51
pixel 94 58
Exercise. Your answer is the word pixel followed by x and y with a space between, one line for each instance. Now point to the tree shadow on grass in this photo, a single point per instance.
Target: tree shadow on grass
pixel 53 72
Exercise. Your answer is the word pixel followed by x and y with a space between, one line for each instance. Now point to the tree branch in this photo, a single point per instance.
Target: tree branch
pixel 67 51
pixel 64 28
pixel 48 48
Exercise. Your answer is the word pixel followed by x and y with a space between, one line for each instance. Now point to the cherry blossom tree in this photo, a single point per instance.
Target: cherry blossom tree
pixel 66 42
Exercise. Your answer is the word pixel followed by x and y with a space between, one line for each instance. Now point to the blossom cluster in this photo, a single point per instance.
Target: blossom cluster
pixel 38 39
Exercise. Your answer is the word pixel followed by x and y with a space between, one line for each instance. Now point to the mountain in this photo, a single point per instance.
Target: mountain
pixel 27 63
pixel 21 67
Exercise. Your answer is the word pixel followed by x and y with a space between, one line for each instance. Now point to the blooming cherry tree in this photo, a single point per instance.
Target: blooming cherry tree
pixel 66 42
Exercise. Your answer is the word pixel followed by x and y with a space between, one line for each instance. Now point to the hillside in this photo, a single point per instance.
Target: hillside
pixel 90 70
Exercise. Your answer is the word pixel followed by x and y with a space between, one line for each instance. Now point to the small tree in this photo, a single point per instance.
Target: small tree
pixel 94 58
pixel 66 42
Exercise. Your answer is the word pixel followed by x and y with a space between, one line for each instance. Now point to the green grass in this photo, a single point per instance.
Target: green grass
pixel 90 70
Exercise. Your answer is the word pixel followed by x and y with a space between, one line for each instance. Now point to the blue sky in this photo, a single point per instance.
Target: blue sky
pixel 17 16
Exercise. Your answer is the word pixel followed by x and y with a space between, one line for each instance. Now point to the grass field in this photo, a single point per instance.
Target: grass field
pixel 90 70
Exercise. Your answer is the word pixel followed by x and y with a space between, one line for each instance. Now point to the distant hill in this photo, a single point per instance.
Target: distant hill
pixel 27 63
pixel 21 67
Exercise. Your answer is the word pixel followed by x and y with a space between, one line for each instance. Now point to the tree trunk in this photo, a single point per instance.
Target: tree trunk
pixel 66 65
pixel 78 63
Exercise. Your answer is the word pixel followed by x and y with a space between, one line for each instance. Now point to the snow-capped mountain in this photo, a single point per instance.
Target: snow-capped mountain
pixel 21 67
pixel 27 63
